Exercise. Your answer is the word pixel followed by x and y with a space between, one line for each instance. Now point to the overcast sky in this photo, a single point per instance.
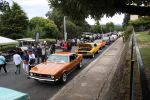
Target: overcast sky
pixel 35 8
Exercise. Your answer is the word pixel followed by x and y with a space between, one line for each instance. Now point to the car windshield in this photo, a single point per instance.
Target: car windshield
pixel 58 58
pixel 105 38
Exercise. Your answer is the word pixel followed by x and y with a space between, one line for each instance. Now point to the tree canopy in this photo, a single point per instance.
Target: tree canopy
pixel 80 9
pixel 13 22
pixel 3 5
pixel 97 28
pixel 110 26
pixel 47 28
pixel 74 28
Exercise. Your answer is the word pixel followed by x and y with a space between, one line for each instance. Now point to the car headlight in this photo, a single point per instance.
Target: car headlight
pixel 52 77
pixel 31 74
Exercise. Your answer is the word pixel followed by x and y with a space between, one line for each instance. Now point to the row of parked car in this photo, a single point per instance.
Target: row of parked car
pixel 59 65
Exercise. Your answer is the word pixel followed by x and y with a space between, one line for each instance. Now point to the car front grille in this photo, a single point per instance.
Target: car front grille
pixel 82 52
pixel 41 75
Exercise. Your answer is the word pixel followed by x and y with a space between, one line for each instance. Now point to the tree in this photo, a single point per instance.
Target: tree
pixel 81 9
pixel 56 16
pixel 47 28
pixel 141 24
pixel 14 22
pixel 126 20
pixel 110 26
pixel 3 5
pixel 96 28
pixel 74 28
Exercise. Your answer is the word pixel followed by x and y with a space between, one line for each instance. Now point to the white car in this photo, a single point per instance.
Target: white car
pixel 113 37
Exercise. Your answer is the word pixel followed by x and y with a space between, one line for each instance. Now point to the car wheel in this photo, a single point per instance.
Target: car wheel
pixel 64 78
pixel 80 65
pixel 98 51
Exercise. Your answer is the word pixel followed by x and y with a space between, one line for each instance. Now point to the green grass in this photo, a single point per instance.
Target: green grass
pixel 143 40
pixel 145 52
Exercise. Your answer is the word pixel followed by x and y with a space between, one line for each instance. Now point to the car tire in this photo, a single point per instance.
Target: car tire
pixel 80 65
pixel 64 78
pixel 98 51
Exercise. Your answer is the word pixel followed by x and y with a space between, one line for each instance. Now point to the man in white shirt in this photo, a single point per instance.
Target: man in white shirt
pixel 31 59
pixel 17 60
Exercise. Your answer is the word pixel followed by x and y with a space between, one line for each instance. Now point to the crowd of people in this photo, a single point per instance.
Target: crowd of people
pixel 36 53
pixel 28 58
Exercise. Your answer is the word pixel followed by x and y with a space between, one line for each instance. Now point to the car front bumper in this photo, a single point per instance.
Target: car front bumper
pixel 43 78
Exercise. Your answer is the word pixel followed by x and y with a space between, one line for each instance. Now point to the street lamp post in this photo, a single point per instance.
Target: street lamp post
pixel 65 32
pixel 37 36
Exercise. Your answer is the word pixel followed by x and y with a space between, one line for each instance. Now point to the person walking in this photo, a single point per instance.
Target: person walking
pixel 39 54
pixel 2 62
pixel 26 62
pixel 65 46
pixel 31 59
pixel 53 48
pixel 17 60
pixel 43 53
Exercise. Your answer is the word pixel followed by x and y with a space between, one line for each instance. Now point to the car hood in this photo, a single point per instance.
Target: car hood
pixel 50 68
pixel 85 45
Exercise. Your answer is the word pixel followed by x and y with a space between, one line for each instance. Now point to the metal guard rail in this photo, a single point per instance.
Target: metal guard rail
pixel 143 80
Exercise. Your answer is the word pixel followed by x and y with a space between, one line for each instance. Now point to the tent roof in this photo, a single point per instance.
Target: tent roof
pixel 5 41
pixel 26 39
pixel 33 40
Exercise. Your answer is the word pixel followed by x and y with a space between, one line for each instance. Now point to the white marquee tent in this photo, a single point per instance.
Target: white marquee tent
pixel 6 41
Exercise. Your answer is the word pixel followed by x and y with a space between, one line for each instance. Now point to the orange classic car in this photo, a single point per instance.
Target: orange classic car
pixel 57 67
pixel 102 44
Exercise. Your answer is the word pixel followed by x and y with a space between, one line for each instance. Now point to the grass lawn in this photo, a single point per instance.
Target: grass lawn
pixel 143 40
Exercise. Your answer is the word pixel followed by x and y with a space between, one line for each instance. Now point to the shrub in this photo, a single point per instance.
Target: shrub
pixel 127 33
pixel 7 47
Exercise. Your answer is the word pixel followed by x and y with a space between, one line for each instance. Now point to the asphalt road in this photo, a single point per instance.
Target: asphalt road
pixel 36 90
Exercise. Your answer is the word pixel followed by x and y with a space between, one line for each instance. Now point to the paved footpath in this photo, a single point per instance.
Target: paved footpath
pixel 93 82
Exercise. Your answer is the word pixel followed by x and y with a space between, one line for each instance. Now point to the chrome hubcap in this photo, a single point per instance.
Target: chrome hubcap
pixel 80 64
pixel 64 77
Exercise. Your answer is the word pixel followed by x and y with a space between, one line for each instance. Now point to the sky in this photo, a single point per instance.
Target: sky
pixel 39 8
